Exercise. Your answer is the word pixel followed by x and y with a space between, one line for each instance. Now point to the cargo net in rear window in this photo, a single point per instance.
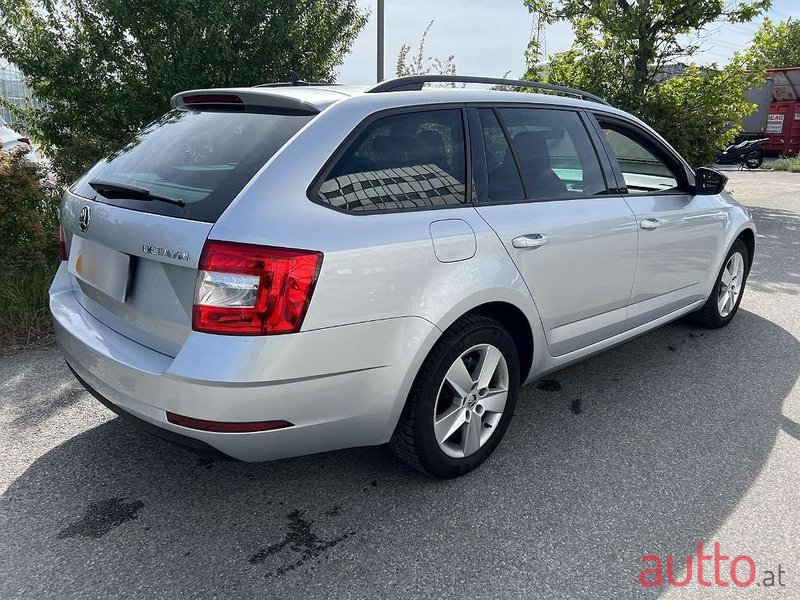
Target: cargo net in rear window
pixel 397 188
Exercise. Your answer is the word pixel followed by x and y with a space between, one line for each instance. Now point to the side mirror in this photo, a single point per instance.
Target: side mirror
pixel 708 182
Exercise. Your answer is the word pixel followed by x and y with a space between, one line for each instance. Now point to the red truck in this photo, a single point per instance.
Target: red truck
pixel 783 118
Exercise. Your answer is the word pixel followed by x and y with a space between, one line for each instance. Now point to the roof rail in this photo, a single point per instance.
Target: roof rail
pixel 416 82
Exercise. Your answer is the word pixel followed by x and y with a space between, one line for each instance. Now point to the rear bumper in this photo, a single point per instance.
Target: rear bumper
pixel 339 387
pixel 188 443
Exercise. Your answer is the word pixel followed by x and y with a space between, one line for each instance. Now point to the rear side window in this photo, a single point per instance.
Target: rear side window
pixel 403 161
pixel 555 153
pixel 200 158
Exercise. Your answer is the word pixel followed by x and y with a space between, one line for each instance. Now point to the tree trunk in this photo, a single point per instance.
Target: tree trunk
pixel 641 66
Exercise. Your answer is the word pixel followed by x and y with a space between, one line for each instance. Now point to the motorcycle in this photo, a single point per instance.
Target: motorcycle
pixel 749 153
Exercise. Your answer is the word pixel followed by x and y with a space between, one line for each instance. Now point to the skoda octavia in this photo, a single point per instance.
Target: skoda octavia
pixel 285 269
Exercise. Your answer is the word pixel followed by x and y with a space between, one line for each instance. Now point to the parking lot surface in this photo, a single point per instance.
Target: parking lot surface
pixel 679 436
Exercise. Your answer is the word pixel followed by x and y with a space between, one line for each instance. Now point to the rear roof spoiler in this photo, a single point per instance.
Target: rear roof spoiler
pixel 293 100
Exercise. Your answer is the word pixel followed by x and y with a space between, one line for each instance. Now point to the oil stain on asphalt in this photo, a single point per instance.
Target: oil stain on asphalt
pixel 301 540
pixel 549 385
pixel 101 517
pixel 207 463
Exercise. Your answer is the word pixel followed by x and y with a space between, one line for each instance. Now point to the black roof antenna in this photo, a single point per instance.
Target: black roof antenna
pixel 294 80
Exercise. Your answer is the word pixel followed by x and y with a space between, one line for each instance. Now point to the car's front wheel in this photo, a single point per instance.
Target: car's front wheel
pixel 462 400
pixel 726 295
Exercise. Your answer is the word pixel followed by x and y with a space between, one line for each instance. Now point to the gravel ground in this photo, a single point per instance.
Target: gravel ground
pixel 679 436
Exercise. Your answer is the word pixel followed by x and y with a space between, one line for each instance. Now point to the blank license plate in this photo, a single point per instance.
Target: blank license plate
pixel 102 268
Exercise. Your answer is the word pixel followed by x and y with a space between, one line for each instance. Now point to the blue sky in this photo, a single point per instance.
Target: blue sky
pixel 488 37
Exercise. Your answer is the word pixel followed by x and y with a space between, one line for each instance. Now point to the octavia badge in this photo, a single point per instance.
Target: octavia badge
pixel 83 220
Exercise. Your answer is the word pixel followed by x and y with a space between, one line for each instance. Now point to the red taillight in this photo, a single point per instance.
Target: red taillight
pixel 224 426
pixel 212 99
pixel 62 244
pixel 244 289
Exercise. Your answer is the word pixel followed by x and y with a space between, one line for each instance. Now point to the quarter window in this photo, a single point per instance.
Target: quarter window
pixel 642 169
pixel 555 153
pixel 402 161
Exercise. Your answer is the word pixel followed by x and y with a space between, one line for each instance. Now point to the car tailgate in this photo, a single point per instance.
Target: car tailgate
pixel 133 271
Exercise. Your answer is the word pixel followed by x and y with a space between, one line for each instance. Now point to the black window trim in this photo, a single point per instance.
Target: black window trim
pixel 605 165
pixel 609 176
pixel 313 190
pixel 501 120
pixel 671 159
pixel 480 175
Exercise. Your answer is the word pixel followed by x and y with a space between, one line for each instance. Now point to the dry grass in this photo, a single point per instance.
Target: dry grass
pixel 24 318
pixel 784 164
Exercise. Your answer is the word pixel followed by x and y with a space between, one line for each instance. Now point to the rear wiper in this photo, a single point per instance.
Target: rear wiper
pixel 113 188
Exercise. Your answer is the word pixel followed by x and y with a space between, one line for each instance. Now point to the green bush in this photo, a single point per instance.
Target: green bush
pixel 695 111
pixel 28 249
pixel 102 69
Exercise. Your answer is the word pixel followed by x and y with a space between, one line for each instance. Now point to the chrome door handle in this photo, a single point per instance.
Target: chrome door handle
pixel 649 224
pixel 532 240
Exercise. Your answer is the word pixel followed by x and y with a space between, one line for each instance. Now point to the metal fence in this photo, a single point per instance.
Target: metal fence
pixel 13 89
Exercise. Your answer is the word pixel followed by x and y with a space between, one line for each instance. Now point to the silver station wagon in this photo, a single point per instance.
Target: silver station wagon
pixel 294 268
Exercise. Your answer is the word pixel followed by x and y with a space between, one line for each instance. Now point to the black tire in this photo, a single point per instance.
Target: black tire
pixel 414 440
pixel 754 161
pixel 709 316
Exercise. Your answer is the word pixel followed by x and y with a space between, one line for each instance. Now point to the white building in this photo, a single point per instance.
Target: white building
pixel 13 89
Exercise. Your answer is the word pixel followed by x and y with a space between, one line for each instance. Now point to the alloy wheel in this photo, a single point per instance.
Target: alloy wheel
pixel 471 401
pixel 731 284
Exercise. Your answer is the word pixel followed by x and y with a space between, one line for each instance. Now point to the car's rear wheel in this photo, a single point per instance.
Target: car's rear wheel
pixel 726 295
pixel 462 400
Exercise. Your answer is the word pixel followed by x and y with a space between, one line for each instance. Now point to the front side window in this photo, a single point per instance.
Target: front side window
pixel 555 153
pixel 642 169
pixel 403 161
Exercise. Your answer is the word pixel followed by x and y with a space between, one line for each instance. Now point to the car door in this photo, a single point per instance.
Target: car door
pixel 543 191
pixel 680 233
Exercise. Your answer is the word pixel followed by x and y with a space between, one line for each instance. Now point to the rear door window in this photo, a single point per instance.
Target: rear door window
pixel 555 153
pixel 201 159
pixel 401 162
pixel 505 183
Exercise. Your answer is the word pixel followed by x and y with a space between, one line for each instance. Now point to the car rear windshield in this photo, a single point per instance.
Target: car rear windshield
pixel 191 163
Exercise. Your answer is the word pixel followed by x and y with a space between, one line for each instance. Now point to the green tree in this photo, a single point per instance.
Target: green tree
pixel 700 111
pixel 105 68
pixel 629 52
pixel 641 37
pixel 775 45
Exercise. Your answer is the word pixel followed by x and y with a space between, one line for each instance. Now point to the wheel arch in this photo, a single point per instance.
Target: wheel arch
pixel 513 309
pixel 748 236
pixel 516 311
pixel 516 323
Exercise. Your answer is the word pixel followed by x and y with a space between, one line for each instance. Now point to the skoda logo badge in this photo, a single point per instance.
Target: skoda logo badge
pixel 83 220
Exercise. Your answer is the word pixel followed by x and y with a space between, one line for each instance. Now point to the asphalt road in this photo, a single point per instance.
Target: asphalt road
pixel 679 436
